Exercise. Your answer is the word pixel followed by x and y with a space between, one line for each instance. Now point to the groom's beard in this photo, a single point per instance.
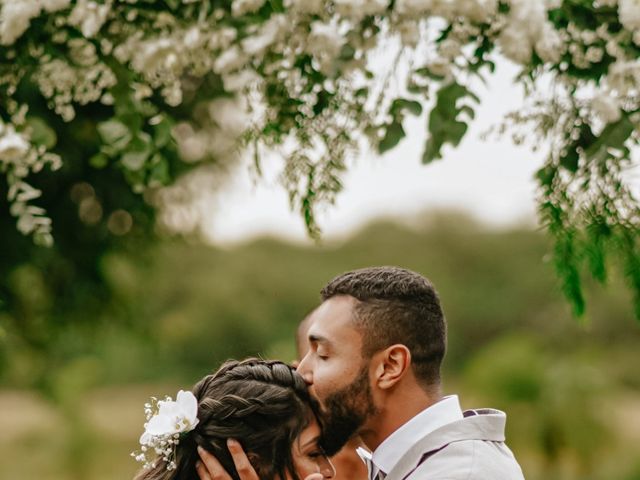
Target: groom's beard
pixel 345 411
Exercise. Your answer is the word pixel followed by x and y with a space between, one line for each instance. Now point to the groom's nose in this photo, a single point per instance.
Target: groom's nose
pixel 304 371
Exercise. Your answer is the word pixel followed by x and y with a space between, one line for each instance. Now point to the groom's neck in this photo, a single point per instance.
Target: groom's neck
pixel 396 408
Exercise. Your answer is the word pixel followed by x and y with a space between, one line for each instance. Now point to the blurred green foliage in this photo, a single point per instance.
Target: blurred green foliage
pixel 175 310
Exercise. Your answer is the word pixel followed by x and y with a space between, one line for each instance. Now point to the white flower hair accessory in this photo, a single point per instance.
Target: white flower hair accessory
pixel 167 420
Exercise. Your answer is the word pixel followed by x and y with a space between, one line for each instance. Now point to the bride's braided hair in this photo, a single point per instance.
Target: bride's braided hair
pixel 262 404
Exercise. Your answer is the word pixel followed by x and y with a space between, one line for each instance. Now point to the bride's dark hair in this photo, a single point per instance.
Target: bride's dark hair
pixel 264 405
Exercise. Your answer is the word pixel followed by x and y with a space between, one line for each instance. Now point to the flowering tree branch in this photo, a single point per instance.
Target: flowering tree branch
pixel 163 87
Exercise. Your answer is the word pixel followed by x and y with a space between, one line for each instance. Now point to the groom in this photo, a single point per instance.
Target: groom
pixel 375 348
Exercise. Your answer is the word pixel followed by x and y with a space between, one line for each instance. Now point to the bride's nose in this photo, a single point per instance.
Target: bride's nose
pixel 326 467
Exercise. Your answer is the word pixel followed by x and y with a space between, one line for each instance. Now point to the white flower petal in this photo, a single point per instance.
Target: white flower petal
pixel 159 425
pixel 188 406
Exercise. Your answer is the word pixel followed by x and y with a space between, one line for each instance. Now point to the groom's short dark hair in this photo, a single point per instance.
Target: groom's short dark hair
pixel 395 305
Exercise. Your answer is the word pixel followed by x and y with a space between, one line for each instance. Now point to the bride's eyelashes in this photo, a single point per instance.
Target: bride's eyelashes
pixel 316 454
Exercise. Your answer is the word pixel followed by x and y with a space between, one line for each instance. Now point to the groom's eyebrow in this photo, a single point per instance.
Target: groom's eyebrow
pixel 313 338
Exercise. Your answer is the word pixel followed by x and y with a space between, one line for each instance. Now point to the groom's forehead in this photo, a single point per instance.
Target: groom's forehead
pixel 332 321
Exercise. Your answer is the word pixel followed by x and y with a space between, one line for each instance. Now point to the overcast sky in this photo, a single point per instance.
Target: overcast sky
pixel 492 179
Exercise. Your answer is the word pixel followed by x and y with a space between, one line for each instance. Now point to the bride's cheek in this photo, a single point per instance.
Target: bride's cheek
pixel 305 466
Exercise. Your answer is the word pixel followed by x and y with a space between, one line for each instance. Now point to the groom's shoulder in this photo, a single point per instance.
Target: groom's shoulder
pixel 472 448
pixel 470 460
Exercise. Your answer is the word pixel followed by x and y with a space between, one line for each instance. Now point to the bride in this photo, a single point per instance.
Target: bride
pixel 263 405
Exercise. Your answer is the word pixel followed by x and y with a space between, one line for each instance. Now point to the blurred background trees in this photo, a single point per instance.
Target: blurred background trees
pixel 572 392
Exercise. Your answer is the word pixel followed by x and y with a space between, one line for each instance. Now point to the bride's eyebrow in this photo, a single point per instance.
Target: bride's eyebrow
pixel 314 441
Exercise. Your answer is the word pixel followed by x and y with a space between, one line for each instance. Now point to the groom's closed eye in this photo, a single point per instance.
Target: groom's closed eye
pixel 320 346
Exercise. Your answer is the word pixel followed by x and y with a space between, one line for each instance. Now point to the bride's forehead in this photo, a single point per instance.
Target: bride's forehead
pixel 310 434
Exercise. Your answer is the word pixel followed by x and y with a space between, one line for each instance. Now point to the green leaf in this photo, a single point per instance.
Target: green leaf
pixel 456 132
pixel 469 111
pixel 347 52
pixel 115 134
pixel 546 175
pixel 134 160
pixel 613 136
pixel 570 160
pixel 451 92
pixel 432 150
pixel 400 104
pixel 444 123
pixel 392 137
pixel 160 173
pixel 416 89
pixel 138 153
pixel 99 160
pixel 426 72
pixel 41 133
pixel 324 98
pixel 162 132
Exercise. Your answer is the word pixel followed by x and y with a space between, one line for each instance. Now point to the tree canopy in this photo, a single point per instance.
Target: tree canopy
pixel 106 106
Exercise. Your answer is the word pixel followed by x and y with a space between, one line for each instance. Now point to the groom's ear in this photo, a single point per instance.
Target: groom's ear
pixel 394 363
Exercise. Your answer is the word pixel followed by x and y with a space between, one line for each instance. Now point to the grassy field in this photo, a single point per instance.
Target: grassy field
pixel 38 441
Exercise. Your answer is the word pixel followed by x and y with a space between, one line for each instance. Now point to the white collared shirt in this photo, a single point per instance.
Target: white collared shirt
pixel 389 452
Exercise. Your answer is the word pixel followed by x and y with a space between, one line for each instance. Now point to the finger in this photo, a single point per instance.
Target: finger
pixel 315 476
pixel 241 461
pixel 214 468
pixel 202 471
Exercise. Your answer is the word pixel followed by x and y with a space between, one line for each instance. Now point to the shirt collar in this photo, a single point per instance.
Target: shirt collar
pixel 389 452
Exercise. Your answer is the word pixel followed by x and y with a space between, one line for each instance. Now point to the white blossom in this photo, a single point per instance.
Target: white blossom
pixel 15 18
pixel 623 76
pixel 13 146
pixel 479 11
pixel 549 46
pixel 236 81
pixel 230 115
pixel 413 7
pixel 325 39
pixel 514 45
pixel 155 55
pixel 528 29
pixel 450 48
pixel 553 4
pixel 606 107
pixel 594 54
pixel 172 417
pixel 409 32
pixel 89 16
pixel 55 5
pixel 193 38
pixel 222 38
pixel 629 13
pixel 192 145
pixel 270 32
pixel 230 60
pixel 440 67
pixel 358 9
pixel 311 7
pixel 242 7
